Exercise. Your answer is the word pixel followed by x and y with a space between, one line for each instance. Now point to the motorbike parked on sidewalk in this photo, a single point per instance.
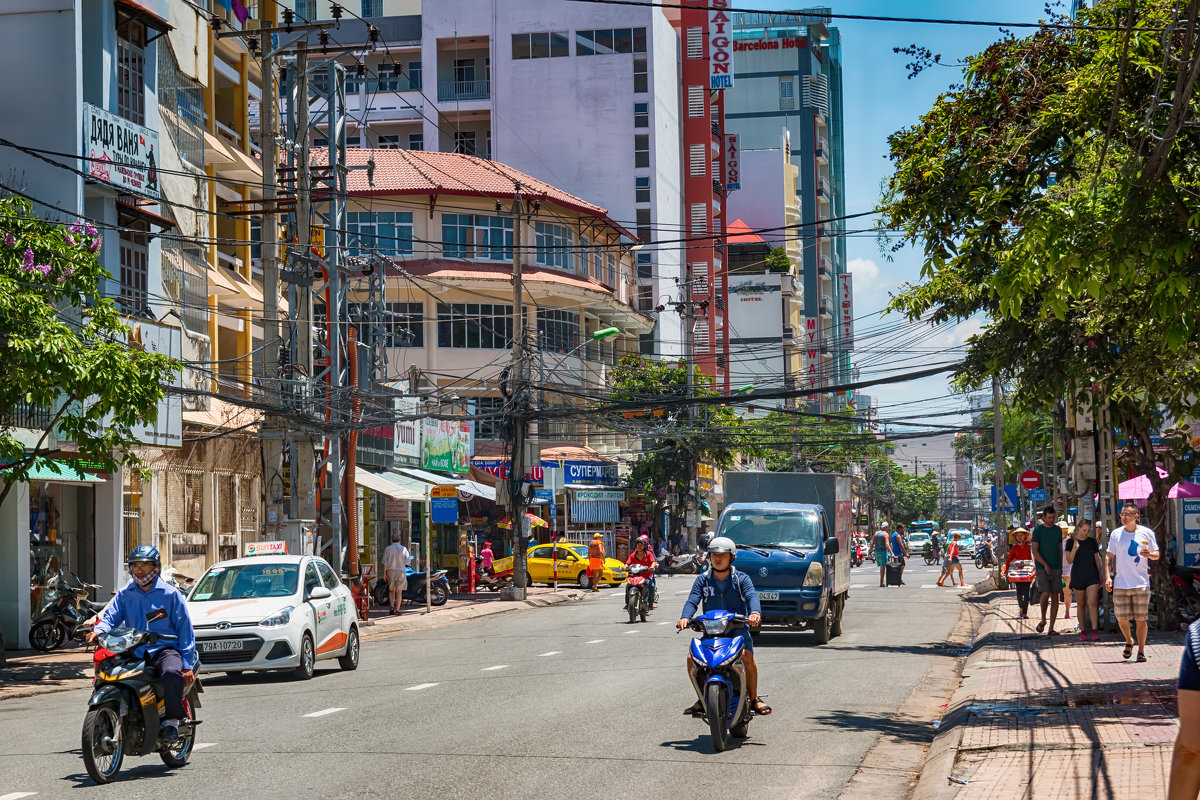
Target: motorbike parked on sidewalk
pixel 681 564
pixel 1187 592
pixel 414 591
pixel 488 580
pixel 65 615
pixel 719 676
pixel 127 706
pixel 638 592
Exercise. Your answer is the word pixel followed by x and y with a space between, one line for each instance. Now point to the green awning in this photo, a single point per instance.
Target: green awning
pixel 66 474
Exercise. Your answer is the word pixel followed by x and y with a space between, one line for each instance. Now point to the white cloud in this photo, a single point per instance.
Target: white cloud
pixel 865 271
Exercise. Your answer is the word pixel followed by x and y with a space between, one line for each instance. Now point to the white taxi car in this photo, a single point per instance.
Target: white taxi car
pixel 273 612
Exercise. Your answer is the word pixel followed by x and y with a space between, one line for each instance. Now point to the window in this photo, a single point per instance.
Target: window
pixel 256 238
pixel 557 330
pixel 131 72
pixel 641 78
pixel 646 344
pixel 311 579
pixel 414 75
pixel 695 42
pixel 641 150
pixel 474 325
pixel 787 94
pixel 699 219
pixel 555 44
pixel 134 246
pixel 697 160
pixel 372 8
pixel 389 142
pixel 695 101
pixel 404 325
pixel 306 10
pixel 554 246
pixel 488 423
pixel 464 70
pixel 645 267
pixel 643 225
pixel 645 298
pixel 416 141
pixel 610 271
pixel 331 580
pixel 641 115
pixel 641 189
pixel 464 142
pixel 477 236
pixel 607 42
pixel 385 232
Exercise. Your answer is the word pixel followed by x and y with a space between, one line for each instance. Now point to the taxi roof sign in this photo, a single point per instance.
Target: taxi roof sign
pixel 266 548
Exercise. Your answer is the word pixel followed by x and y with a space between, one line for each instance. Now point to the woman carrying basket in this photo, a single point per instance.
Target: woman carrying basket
pixel 1019 568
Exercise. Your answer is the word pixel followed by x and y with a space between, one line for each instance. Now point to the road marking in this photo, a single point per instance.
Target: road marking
pixel 664 623
pixel 420 686
pixel 551 653
pixel 200 746
pixel 930 586
pixel 492 669
pixel 594 641
pixel 16 795
pixel 687 592
pixel 325 712
pixel 629 632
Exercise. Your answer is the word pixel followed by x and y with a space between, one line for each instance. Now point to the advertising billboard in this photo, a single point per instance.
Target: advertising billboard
pixel 720 46
pixel 120 152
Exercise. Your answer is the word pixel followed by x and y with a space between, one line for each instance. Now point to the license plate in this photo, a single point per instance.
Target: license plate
pixel 768 595
pixel 220 645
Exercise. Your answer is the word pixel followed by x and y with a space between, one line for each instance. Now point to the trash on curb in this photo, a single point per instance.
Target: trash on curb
pixel 960 781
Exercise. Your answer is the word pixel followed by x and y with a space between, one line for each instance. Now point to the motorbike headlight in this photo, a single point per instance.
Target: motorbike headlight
pixel 282 618
pixel 714 627
pixel 815 575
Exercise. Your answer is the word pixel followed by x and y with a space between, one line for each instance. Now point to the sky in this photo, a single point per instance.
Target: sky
pixel 880 99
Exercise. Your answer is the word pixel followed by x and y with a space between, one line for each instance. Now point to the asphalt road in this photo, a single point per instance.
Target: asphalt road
pixel 568 701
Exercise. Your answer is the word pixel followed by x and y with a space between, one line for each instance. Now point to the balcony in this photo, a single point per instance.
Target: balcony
pixel 450 91
pixel 716 129
pixel 824 189
pixel 826 308
pixel 718 188
pixel 823 149
pixel 825 268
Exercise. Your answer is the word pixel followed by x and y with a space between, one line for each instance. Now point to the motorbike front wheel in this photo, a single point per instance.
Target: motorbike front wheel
pixel 716 707
pixel 48 634
pixel 631 604
pixel 103 750
pixel 979 563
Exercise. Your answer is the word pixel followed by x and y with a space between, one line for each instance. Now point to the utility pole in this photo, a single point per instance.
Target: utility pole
pixel 520 420
pixel 689 357
pixel 273 426
pixel 998 479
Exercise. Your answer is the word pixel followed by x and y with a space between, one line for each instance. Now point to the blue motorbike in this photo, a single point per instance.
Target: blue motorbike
pixel 416 587
pixel 719 677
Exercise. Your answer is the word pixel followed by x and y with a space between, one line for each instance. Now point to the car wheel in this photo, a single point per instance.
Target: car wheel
pixel 349 661
pixel 308 659
pixel 584 581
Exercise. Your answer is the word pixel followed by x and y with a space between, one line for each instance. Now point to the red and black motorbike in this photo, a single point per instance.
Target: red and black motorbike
pixel 639 592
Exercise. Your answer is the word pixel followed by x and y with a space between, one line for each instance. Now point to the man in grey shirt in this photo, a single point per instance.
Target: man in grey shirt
pixel 880 546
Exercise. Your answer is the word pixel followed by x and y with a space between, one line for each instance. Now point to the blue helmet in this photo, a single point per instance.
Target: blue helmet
pixel 145 552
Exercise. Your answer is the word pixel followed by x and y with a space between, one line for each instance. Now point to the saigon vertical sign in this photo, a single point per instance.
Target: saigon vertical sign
pixel 733 169
pixel 720 46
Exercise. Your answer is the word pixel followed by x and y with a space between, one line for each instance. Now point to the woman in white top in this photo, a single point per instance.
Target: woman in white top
pixel 1066 569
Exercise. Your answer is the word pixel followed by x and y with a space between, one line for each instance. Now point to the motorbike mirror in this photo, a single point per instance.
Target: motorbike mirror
pixel 155 616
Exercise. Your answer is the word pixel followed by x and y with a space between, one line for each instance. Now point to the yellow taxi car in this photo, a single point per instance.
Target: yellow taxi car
pixel 571 565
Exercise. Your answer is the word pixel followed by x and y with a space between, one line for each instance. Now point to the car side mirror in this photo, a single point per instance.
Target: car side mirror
pixel 319 593
pixel 832 546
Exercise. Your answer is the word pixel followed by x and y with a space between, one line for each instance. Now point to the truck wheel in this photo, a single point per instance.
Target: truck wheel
pixel 836 628
pixel 823 626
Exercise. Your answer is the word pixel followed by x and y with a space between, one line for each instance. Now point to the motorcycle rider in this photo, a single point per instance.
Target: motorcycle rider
pixel 723 588
pixel 147 593
pixel 643 555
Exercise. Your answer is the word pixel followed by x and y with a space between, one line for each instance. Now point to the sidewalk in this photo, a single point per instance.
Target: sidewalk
pixel 28 672
pixel 1043 716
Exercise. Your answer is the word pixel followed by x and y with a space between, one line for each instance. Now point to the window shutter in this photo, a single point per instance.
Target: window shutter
pixel 695 43
pixel 695 101
pixel 697 160
pixel 699 219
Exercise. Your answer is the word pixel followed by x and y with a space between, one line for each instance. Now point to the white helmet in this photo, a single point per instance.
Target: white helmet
pixel 883 525
pixel 722 544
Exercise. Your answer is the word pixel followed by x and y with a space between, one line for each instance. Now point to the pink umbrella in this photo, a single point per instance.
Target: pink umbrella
pixel 1139 488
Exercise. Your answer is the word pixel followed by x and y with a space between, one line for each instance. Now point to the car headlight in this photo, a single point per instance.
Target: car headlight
pixel 276 620
pixel 815 575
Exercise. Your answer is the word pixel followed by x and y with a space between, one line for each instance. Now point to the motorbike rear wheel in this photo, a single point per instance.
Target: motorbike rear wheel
pixel 716 707
pixel 177 753
pixel 47 635
pixel 979 563
pixel 439 596
pixel 103 749
pixel 631 604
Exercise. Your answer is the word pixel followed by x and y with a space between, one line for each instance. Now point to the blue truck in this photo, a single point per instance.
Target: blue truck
pixel 792 530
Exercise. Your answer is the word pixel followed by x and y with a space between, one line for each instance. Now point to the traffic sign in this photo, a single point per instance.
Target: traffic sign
pixel 1191 533
pixel 1037 495
pixel 1008 499
pixel 1031 479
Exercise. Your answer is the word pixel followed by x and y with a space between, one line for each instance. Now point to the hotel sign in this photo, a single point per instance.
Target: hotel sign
pixel 733 170
pixel 846 306
pixel 720 46
pixel 120 152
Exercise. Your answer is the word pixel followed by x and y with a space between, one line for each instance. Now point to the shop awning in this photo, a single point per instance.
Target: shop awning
pixel 477 490
pixel 465 487
pixel 66 474
pixel 382 483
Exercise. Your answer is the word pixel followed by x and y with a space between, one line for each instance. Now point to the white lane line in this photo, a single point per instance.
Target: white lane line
pixel 687 592
pixel 930 586
pixel 627 633
pixel 493 669
pixel 325 712
pixel 16 795
pixel 551 653
pixel 203 745
pixel 594 641
pixel 664 623
pixel 420 686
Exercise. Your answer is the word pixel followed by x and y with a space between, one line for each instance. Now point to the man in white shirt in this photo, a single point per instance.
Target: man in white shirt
pixel 1131 548
pixel 395 560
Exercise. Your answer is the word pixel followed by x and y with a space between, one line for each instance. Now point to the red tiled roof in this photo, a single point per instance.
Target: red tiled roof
pixel 451 269
pixel 740 233
pixel 409 172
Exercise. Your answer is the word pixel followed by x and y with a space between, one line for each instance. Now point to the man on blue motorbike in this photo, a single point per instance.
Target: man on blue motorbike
pixel 723 588
pixel 133 606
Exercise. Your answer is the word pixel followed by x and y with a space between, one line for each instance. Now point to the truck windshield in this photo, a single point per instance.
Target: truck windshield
pixel 784 528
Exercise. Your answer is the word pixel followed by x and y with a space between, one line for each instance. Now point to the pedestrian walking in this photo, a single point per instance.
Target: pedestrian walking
pixel 1088 571
pixel 1067 537
pixel 1046 544
pixel 954 560
pixel 935 542
pixel 1019 569
pixel 879 546
pixel 595 568
pixel 395 561
pixel 1131 548
pixel 1185 762
pixel 900 550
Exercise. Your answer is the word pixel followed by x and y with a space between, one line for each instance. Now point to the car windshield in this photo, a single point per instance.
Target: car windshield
pixel 579 550
pixel 247 580
pixel 780 528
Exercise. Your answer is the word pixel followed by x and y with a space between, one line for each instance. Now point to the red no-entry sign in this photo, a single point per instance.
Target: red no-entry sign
pixel 1031 479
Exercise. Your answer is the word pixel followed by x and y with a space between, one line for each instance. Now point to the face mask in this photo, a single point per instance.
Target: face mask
pixel 149 578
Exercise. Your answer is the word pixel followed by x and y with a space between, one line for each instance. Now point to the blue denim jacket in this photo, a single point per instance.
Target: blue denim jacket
pixel 131 605
pixel 736 593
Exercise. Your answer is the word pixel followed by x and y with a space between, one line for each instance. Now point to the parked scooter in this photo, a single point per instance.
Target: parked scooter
pixel 1187 592
pixel 682 564
pixel 488 581
pixel 638 592
pixel 415 589
pixel 126 708
pixel 719 677
pixel 65 614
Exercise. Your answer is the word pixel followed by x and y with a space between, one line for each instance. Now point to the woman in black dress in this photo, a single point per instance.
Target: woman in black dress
pixel 1088 572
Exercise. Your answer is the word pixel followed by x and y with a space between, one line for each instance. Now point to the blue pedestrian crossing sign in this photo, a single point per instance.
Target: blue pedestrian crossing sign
pixel 1008 501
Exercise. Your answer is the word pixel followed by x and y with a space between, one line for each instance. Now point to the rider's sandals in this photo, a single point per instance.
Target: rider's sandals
pixel 760 708
pixel 695 710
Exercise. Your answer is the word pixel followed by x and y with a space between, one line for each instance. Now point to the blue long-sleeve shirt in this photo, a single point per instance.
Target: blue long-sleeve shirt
pixel 131 605
pixel 723 595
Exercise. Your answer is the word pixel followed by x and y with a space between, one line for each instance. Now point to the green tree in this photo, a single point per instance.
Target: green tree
pixel 1024 434
pixel 799 441
pixel 777 260
pixel 64 349
pixel 1054 192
